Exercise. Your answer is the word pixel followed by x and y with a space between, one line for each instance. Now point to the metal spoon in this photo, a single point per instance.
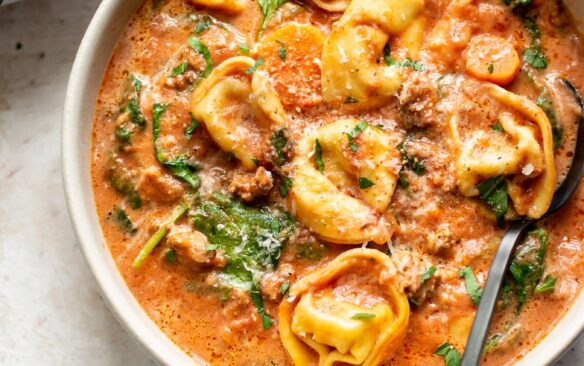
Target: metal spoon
pixel 478 334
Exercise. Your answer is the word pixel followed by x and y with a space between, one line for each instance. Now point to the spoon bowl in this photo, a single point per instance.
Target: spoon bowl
pixel 478 334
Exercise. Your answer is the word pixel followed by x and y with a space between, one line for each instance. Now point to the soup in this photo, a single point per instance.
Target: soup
pixel 326 182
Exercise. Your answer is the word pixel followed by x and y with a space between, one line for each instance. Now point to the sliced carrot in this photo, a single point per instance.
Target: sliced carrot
pixel 492 59
pixel 292 58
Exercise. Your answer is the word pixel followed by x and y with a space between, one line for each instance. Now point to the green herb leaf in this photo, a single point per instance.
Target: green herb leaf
pixel 122 181
pixel 285 186
pixel 180 166
pixel 492 342
pixel 365 183
pixel 545 103
pixel 201 49
pixel 363 316
pixel 211 247
pixel 135 113
pixel 257 300
pixel 268 8
pixel 259 62
pixel 180 69
pixel 137 84
pixel 284 288
pixel 535 57
pixel 548 284
pixel 403 180
pixel 123 133
pixel 244 48
pixel 124 222
pixel 450 354
pixel 415 65
pixel 191 127
pixel 356 131
pixel 311 251
pixel 497 127
pixel 203 25
pixel 170 256
pixel 410 161
pixel 491 68
pixel 318 155
pixel 473 288
pixel 494 193
pixel 282 51
pixel 428 274
pixel 527 266
pixel 280 144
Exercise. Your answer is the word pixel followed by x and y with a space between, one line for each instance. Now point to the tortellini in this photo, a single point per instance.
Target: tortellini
pixel 351 311
pixel 230 6
pixel 321 200
pixel 335 6
pixel 522 153
pixel 350 67
pixel 237 107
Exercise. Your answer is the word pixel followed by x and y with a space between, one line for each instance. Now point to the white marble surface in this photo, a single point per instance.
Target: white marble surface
pixel 50 310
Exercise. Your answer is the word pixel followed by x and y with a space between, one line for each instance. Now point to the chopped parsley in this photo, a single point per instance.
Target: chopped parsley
pixel 268 8
pixel 365 183
pixel 403 180
pixel 318 155
pixel 450 354
pixel 282 50
pixel 410 161
pixel 497 127
pixel 473 288
pixel 280 145
pixel 201 49
pixel 285 186
pixel 491 68
pixel 259 62
pixel 535 57
pixel 494 193
pixel 415 65
pixel 356 131
pixel 428 274
pixel 170 256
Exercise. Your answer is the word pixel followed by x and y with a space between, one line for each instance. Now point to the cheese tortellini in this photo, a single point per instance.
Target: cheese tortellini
pixel 237 108
pixel 351 311
pixel 523 153
pixel 230 6
pixel 321 200
pixel 350 67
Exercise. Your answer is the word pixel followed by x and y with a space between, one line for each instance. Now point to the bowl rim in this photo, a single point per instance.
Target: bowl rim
pixel 81 95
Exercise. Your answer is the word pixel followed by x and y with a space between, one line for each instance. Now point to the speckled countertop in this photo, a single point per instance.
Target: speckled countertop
pixel 50 309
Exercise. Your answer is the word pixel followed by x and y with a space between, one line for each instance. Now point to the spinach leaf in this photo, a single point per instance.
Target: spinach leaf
pixel 122 181
pixel 124 133
pixel 170 256
pixel 473 288
pixel 135 113
pixel 410 161
pixel 284 287
pixel 318 155
pixel 311 251
pixel 258 302
pixel 450 354
pixel 201 49
pixel 285 187
pixel 535 57
pixel 191 127
pixel 124 222
pixel 203 25
pixel 527 266
pixel 180 69
pixel 548 285
pixel 494 193
pixel 545 103
pixel 251 237
pixel 180 167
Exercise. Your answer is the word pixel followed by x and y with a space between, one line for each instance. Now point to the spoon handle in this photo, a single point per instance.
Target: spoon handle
pixel 478 334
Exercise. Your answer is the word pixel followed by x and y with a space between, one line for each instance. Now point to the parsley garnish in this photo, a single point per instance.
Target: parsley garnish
pixel 201 49
pixel 259 62
pixel 356 131
pixel 494 193
pixel 285 186
pixel 451 355
pixel 472 286
pixel 428 274
pixel 268 8
pixel 365 183
pixel 415 65
pixel 318 155
pixel 282 51
pixel 497 127
pixel 280 143
pixel 410 161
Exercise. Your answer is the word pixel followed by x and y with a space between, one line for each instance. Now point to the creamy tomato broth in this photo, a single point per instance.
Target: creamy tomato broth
pixel 326 182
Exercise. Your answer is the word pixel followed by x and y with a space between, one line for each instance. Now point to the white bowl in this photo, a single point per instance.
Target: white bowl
pixel 85 80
